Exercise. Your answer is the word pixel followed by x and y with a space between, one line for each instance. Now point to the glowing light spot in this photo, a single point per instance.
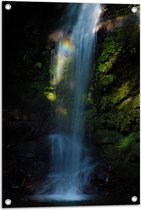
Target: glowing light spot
pixel 67 47
pixel 50 96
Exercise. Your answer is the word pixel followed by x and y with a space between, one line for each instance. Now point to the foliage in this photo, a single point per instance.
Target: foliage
pixel 128 142
pixel 116 75
pixel 124 116
pixel 38 65
pixel 90 113
pixel 52 69
pixel 110 50
pixel 109 136
pixel 121 10
pixel 106 79
pixel 51 96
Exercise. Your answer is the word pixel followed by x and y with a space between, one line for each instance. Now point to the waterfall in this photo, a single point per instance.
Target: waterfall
pixel 70 165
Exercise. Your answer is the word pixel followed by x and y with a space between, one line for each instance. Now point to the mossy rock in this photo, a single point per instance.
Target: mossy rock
pixel 124 120
pixel 128 148
pixel 118 10
pixel 109 136
pixel 90 113
pixel 121 92
pixel 122 153
pixel 106 80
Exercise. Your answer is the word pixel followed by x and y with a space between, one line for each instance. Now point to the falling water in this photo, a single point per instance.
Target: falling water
pixel 70 165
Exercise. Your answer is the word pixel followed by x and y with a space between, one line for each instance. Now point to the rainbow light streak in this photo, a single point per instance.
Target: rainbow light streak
pixel 67 47
pixel 59 68
pixel 65 50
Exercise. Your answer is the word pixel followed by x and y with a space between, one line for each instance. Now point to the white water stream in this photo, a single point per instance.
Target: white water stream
pixel 70 165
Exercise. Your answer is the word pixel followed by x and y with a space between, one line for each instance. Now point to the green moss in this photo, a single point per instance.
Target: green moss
pixel 124 120
pixel 136 102
pixel 127 141
pixel 127 117
pixel 128 146
pixel 110 50
pixel 123 152
pixel 130 103
pixel 89 100
pixel 121 92
pixel 105 80
pixel 117 90
pixel 118 94
pixel 52 69
pixel 125 103
pixel 65 112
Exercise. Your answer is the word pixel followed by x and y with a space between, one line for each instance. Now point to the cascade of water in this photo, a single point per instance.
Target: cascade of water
pixel 69 164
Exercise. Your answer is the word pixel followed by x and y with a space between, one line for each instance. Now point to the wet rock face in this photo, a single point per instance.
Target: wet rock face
pixel 115 113
pixel 117 71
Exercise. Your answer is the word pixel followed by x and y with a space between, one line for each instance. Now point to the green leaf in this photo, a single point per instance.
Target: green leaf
pixel 38 65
